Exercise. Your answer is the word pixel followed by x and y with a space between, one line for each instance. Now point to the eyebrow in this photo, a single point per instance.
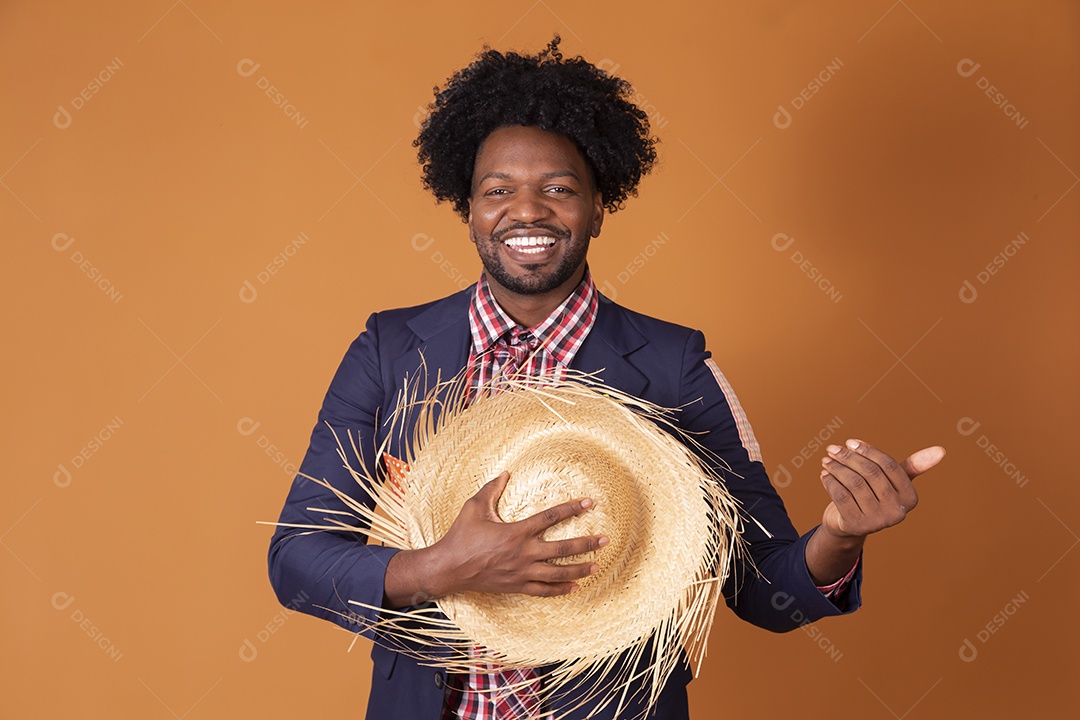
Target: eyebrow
pixel 545 176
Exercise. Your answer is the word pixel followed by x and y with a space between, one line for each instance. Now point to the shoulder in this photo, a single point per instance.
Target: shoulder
pixel 391 332
pixel 421 322
pixel 656 331
pixel 443 308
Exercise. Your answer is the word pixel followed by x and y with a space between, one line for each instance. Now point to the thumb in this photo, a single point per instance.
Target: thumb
pixel 491 492
pixel 919 462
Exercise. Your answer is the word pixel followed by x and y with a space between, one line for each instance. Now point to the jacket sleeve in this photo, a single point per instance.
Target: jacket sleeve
pixel 772 588
pixel 318 572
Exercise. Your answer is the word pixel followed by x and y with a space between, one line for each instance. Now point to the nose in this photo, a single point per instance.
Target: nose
pixel 529 206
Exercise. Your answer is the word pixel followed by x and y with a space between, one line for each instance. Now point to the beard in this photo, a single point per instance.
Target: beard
pixel 535 280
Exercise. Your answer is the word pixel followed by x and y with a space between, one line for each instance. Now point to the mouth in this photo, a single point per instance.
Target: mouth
pixel 530 245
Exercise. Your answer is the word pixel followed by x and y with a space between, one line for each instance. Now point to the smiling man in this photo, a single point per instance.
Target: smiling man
pixel 532 211
pixel 532 151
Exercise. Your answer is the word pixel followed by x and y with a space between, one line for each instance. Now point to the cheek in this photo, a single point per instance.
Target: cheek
pixel 580 218
pixel 483 222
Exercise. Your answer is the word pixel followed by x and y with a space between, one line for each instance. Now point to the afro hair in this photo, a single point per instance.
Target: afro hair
pixel 570 97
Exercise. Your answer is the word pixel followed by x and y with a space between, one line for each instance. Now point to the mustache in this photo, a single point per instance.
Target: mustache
pixel 553 231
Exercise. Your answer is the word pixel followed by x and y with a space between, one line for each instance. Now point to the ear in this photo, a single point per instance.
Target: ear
pixel 472 237
pixel 598 214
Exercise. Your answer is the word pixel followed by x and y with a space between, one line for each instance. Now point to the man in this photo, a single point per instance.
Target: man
pixel 531 151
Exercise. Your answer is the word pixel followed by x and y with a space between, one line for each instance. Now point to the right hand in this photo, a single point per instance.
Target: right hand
pixel 481 553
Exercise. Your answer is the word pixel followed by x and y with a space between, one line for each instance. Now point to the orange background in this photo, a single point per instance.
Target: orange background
pixel 133 571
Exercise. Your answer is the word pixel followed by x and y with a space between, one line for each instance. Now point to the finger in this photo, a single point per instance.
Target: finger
pixel 555 573
pixel 879 468
pixel 553 549
pixel 865 480
pixel 555 514
pixel 841 496
pixel 889 471
pixel 491 492
pixel 921 461
pixel 543 589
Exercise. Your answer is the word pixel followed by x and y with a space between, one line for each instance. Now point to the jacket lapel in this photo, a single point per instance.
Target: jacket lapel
pixel 438 351
pixel 609 348
pixel 442 341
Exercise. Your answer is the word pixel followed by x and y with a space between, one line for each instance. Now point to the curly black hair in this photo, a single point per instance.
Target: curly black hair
pixel 571 97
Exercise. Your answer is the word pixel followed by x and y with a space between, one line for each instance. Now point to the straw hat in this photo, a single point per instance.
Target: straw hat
pixel 673 530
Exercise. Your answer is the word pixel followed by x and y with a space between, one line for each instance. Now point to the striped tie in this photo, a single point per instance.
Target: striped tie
pixel 513 350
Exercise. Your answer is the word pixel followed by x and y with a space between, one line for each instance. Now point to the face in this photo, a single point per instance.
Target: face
pixel 533 211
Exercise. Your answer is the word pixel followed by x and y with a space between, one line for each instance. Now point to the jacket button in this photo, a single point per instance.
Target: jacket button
pixel 438 681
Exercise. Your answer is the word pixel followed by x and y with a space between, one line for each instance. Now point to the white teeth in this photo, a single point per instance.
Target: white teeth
pixel 530 245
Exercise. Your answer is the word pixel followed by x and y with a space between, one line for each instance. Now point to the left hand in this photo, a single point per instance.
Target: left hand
pixel 870 490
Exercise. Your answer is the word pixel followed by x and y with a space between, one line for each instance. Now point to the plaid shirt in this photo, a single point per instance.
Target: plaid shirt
pixel 502 347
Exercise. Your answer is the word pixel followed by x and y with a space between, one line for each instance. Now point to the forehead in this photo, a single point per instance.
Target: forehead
pixel 524 148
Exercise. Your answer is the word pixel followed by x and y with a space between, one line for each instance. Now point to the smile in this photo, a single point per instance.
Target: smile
pixel 529 245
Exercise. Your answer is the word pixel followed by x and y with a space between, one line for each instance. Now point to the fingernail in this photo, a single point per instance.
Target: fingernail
pixel 853 444
pixel 586 503
pixel 602 541
pixel 833 449
pixel 824 473
pixel 594 569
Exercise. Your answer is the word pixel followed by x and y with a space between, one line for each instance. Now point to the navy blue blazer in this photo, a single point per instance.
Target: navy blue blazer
pixel 649 358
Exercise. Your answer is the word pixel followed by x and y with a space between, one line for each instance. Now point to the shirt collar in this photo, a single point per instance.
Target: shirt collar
pixel 562 332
